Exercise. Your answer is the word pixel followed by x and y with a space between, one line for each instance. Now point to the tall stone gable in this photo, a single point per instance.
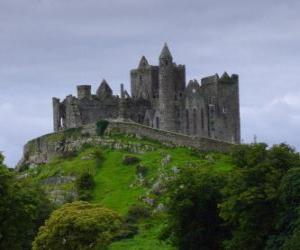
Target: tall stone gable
pixel 160 98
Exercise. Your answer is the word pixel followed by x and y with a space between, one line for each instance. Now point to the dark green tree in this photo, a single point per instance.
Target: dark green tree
pixel 255 193
pixel 287 215
pixel 23 209
pixel 193 197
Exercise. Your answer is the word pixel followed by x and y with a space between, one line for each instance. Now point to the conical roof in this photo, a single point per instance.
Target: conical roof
pixel 165 53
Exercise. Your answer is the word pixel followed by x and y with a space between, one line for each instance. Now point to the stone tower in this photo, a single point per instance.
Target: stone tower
pixel 167 119
pixel 160 99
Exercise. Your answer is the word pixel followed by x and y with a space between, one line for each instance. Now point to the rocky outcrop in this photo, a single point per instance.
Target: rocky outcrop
pixel 62 144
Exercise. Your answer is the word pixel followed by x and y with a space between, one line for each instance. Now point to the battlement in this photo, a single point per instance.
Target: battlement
pixel 160 99
pixel 84 92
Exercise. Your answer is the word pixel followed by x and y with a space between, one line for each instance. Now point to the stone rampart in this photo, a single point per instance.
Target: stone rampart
pixel 43 149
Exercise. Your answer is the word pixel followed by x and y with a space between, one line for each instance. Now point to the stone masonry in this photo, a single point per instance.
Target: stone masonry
pixel 160 99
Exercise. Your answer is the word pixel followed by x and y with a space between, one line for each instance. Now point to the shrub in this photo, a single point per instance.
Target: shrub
pixel 141 170
pixel 101 126
pixel 130 160
pixel 136 212
pixel 78 225
pixel 85 184
pixel 98 154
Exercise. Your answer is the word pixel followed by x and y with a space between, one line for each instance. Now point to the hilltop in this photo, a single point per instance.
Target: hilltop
pixel 128 171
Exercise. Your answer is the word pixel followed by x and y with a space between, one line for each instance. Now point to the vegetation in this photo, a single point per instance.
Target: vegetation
pixel 166 197
pixel 257 203
pixel 85 184
pixel 23 209
pixel 193 198
pixel 101 127
pixel 78 225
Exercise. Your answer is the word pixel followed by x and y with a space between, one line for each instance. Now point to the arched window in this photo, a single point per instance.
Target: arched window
pixel 177 117
pixel 139 118
pixel 202 119
pixel 187 121
pixel 157 122
pixel 194 121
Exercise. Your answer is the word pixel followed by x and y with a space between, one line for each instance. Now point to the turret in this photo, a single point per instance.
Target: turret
pixel 166 91
pixel 56 114
pixel 84 92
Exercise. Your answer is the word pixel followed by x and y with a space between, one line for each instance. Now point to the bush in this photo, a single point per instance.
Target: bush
pixel 136 212
pixel 78 225
pixel 98 154
pixel 141 170
pixel 101 126
pixel 130 160
pixel 85 184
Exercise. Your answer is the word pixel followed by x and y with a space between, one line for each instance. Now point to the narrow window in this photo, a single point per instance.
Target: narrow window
pixel 194 121
pixel 157 122
pixel 202 119
pixel 187 121
pixel 139 118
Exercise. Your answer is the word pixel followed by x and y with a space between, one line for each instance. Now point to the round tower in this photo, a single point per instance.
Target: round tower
pixel 166 91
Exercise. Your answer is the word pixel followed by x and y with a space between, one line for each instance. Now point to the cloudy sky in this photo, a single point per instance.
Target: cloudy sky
pixel 47 47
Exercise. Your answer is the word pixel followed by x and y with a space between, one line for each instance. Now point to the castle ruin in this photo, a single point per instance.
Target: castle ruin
pixel 160 99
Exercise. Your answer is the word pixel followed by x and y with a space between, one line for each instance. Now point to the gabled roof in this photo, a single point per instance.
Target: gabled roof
pixel 104 90
pixel 143 62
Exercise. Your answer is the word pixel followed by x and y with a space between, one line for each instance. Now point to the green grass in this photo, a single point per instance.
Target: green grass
pixel 116 185
pixel 113 183
pixel 146 239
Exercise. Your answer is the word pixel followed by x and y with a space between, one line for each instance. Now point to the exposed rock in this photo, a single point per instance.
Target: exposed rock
pixel 56 180
pixel 165 161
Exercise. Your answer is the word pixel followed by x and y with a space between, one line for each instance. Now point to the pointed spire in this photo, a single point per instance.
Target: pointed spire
pixel 143 62
pixel 104 90
pixel 165 53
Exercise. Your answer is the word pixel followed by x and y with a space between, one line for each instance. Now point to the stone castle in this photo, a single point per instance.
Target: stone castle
pixel 160 99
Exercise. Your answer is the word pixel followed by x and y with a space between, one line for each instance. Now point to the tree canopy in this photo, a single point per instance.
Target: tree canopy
pixel 78 225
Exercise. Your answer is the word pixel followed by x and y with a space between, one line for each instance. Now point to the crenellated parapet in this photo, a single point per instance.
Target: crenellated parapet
pixel 160 99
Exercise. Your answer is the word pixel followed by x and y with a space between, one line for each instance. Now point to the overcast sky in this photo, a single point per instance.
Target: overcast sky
pixel 47 47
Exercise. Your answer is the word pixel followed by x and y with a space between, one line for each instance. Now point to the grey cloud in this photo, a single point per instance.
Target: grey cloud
pixel 49 46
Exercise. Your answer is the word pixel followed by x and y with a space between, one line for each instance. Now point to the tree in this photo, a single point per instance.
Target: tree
pixel 23 209
pixel 249 204
pixel 287 214
pixel 193 221
pixel 254 193
pixel 78 225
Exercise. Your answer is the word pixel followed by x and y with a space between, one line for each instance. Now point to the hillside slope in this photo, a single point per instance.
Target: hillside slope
pixel 129 172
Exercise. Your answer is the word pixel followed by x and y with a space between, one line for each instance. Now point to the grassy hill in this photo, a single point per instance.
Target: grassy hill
pixel 118 185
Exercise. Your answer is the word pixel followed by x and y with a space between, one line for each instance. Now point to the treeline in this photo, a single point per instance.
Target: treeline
pixel 254 206
pixel 23 209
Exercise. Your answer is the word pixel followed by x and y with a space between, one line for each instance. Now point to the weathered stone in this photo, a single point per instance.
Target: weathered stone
pixel 43 149
pixel 160 99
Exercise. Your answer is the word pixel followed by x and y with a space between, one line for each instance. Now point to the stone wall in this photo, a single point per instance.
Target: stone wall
pixel 201 143
pixel 43 149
